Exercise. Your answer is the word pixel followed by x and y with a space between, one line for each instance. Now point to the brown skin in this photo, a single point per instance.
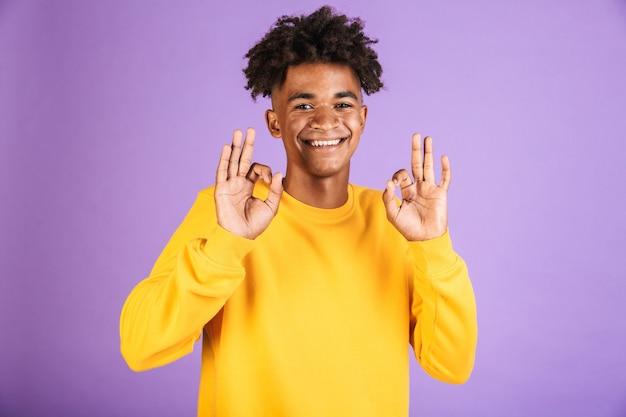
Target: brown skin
pixel 423 213
pixel 316 105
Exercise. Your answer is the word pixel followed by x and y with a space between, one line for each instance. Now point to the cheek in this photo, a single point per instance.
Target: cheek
pixel 295 124
pixel 356 124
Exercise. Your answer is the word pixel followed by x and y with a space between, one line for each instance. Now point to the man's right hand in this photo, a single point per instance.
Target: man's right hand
pixel 237 210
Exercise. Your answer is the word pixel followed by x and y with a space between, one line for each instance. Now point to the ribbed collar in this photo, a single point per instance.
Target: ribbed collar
pixel 290 206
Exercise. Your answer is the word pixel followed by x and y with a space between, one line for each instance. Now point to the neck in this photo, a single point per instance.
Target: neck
pixel 327 192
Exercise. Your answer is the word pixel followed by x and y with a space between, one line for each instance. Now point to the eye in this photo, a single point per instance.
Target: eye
pixel 304 106
pixel 343 105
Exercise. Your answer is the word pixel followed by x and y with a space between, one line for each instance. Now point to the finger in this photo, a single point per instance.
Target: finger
pixel 429 163
pixel 391 205
pixel 233 163
pixel 259 171
pixel 246 154
pixel 416 157
pixel 276 190
pixel 222 167
pixel 402 178
pixel 446 173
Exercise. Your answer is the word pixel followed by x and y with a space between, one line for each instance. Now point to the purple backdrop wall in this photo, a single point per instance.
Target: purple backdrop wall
pixel 112 115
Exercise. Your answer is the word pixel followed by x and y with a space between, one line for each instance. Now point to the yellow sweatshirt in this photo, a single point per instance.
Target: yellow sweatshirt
pixel 312 318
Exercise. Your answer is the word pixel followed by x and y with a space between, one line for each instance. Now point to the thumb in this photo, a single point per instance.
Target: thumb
pixel 389 199
pixel 276 191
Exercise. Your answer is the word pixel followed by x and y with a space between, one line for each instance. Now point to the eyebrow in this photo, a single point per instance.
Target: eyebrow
pixel 346 94
pixel 309 96
pixel 298 96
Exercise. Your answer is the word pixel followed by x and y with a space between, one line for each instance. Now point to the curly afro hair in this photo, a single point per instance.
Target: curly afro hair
pixel 321 37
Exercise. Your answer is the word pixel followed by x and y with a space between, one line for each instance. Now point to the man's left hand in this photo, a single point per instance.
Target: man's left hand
pixel 423 213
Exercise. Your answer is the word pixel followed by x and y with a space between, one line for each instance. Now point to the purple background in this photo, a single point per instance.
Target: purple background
pixel 112 115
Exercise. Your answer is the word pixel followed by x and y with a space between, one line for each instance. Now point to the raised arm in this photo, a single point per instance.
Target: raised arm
pixel 443 307
pixel 201 266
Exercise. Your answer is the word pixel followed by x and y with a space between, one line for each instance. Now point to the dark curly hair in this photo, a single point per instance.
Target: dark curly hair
pixel 324 37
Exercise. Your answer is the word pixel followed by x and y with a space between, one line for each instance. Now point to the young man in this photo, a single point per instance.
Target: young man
pixel 305 289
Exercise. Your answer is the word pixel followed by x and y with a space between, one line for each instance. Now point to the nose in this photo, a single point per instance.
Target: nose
pixel 324 118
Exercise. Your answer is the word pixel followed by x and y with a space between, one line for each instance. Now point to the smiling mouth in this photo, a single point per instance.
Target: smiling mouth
pixel 321 143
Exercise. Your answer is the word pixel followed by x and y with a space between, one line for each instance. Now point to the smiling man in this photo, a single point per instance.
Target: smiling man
pixel 317 112
pixel 305 289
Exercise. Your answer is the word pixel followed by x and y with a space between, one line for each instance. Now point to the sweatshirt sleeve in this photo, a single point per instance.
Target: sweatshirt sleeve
pixel 196 273
pixel 443 311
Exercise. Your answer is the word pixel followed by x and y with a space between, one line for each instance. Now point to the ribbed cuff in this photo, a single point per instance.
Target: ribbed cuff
pixel 226 248
pixel 435 255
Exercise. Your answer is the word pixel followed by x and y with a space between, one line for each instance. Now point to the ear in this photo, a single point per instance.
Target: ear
pixel 273 125
pixel 363 117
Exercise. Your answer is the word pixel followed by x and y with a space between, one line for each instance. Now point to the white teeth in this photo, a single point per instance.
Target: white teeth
pixel 325 142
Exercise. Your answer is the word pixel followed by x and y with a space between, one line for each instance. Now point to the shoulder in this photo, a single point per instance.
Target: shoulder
pixel 365 195
pixel 205 201
pixel 368 199
pixel 207 192
pixel 371 209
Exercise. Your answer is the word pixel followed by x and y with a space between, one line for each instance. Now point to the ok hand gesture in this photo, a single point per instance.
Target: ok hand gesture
pixel 423 213
pixel 237 210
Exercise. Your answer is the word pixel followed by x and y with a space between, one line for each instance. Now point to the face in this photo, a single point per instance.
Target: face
pixel 319 115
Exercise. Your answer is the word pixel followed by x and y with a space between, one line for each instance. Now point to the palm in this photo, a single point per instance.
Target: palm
pixel 238 211
pixel 423 213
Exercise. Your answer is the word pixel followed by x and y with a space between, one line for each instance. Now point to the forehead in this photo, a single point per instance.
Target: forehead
pixel 320 79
